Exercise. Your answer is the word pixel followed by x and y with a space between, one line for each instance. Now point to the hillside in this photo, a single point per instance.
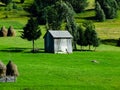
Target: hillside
pixel 109 29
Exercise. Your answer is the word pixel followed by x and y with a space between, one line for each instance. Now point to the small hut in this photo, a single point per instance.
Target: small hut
pixel 58 41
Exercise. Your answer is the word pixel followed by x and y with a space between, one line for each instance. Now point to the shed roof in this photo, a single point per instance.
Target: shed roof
pixel 60 34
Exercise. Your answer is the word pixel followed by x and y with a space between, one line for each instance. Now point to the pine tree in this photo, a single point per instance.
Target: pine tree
pixel 88 34
pixel 80 36
pixel 100 15
pixel 78 5
pixel 95 39
pixel 31 31
pixel 109 7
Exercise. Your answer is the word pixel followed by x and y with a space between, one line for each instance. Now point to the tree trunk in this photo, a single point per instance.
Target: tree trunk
pixel 74 45
pixel 89 47
pixel 95 48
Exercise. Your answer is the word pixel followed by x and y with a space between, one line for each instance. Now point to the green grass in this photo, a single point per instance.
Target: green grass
pixel 110 29
pixel 44 71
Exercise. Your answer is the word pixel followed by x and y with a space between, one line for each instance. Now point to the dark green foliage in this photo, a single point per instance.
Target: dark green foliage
pixel 70 23
pixel 109 7
pixel 78 5
pixel 90 34
pixel 80 36
pixel 53 18
pixel 31 31
pixel 72 28
pixel 14 6
pixel 57 14
pixel 118 2
pixel 6 1
pixel 118 42
pixel 38 8
pixel 22 1
pixel 100 15
pixel 95 39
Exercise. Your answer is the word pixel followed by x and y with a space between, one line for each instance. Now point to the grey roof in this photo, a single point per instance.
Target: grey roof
pixel 60 34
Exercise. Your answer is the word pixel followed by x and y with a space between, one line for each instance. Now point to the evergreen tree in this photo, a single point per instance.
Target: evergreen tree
pixel 109 7
pixel 100 15
pixel 80 36
pixel 78 5
pixel 89 27
pixel 95 39
pixel 70 23
pixel 31 31
pixel 38 9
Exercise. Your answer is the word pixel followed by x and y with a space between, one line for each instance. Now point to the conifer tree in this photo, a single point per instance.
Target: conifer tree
pixel 100 15
pixel 95 39
pixel 109 7
pixel 80 36
pixel 31 31
pixel 90 34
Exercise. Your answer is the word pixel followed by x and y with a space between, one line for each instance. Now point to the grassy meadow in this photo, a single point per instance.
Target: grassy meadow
pixel 45 71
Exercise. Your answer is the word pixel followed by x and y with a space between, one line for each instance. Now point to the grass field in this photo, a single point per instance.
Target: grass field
pixel 44 71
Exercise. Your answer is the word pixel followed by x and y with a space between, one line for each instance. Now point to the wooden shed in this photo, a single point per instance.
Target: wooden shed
pixel 58 41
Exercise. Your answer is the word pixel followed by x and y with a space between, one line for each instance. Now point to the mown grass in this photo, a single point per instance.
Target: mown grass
pixel 44 71
pixel 110 29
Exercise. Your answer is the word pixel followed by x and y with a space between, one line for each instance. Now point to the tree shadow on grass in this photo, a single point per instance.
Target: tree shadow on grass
pixel 37 50
pixel 24 50
pixel 17 50
pixel 83 50
pixel 112 42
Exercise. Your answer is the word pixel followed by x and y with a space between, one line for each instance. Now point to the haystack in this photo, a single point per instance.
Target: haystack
pixel 12 69
pixel 2 69
pixel 11 31
pixel 3 32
